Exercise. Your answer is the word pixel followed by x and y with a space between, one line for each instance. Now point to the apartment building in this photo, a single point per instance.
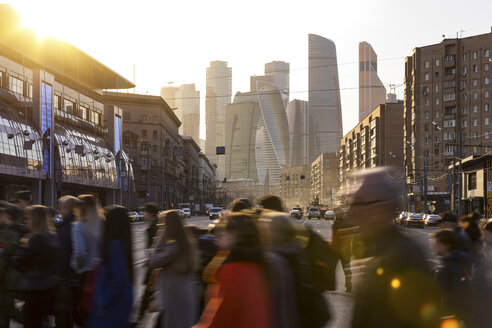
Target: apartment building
pixel 295 185
pixel 324 179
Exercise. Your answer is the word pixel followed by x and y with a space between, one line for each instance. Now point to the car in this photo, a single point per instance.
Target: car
pixel 180 212
pixel 214 213
pixel 402 217
pixel 133 216
pixel 415 219
pixel 432 219
pixel 313 212
pixel 296 212
pixel 187 212
pixel 329 215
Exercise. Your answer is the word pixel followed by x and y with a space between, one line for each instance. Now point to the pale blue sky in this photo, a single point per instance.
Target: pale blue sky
pixel 175 40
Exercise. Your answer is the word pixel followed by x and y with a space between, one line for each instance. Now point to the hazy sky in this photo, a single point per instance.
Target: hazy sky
pixel 174 41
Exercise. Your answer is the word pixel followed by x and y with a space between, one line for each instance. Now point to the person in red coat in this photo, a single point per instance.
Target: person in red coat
pixel 241 298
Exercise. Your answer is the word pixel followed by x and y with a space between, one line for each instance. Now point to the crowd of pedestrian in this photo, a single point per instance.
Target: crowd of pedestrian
pixel 255 267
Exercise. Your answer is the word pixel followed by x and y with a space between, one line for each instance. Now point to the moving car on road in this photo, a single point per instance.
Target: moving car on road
pixel 313 212
pixel 402 217
pixel 187 212
pixel 214 213
pixel 416 220
pixel 431 219
pixel 329 215
pixel 296 212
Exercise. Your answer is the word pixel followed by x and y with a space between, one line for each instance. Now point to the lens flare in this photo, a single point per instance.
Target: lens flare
pixel 380 271
pixel 450 323
pixel 428 311
pixel 395 283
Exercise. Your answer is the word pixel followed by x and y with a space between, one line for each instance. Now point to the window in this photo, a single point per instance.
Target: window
pixel 154 134
pixel 16 85
pixel 57 102
pixel 486 93
pixel 463 124
pixel 486 107
pixel 437 62
pixel 426 76
pixel 436 114
pixel 475 149
pixel 84 112
pixel 437 88
pixel 475 122
pixel 143 119
pixel 427 102
pixel 96 118
pixel 426 115
pixel 426 64
pixel 154 148
pixel 487 135
pixel 486 121
pixel 475 108
pixel 450 110
pixel 475 95
pixel 436 139
pixel 449 123
pixel 436 75
pixel 437 101
pixel 486 80
pixel 144 133
pixel 449 96
pixel 475 135
pixel 69 106
pixel 475 68
pixel 145 147
pixel 464 70
pixel 426 139
pixel 486 53
pixel 475 82
pixel 463 56
pixel 486 67
pixel 426 127
pixel 475 55
pixel 463 110
pixel 465 97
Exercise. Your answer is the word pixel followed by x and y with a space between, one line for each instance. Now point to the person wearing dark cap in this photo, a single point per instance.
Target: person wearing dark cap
pixel 10 234
pixel 240 204
pixel 23 199
pixel 450 221
pixel 271 202
pixel 396 280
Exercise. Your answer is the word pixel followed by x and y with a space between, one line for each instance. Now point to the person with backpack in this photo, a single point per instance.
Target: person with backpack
pixel 453 276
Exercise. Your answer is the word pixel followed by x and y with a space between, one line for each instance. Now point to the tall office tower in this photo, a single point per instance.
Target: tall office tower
pixel 280 72
pixel 372 92
pixel 297 117
pixel 272 135
pixel 218 96
pixel 169 95
pixel 188 111
pixel 324 97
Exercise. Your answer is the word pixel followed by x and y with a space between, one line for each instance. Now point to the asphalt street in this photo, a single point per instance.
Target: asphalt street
pixel 340 302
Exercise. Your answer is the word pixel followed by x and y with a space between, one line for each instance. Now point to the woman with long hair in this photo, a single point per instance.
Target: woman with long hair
pixel 242 299
pixel 113 294
pixel 39 261
pixel 177 258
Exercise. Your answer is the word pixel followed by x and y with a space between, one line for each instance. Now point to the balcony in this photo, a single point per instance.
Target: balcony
pixel 450 60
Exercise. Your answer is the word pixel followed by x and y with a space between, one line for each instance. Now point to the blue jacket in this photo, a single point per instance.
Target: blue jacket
pixel 113 294
pixel 85 249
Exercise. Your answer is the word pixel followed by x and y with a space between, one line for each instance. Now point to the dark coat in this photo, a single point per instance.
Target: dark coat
pixel 64 232
pixel 454 279
pixel 39 262
pixel 113 291
pixel 395 283
pixel 9 242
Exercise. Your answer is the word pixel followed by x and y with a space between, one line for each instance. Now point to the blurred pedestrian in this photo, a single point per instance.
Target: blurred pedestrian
pixel 450 221
pixel 67 306
pixel 10 234
pixel 23 199
pixel 242 298
pixel 453 276
pixel 176 256
pixel 240 204
pixel 113 294
pixel 86 246
pixel 396 287
pixel 469 225
pixel 271 202
pixel 342 235
pixel 482 301
pixel 39 263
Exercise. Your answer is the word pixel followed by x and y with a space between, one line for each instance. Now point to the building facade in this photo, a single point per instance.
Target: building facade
pixel 206 181
pixel 218 96
pixel 151 139
pixel 371 90
pixel 375 141
pixel 280 71
pixel 324 96
pixel 191 157
pixel 57 134
pixel 299 126
pixel 295 185
pixel 185 101
pixel 447 114
pixel 324 179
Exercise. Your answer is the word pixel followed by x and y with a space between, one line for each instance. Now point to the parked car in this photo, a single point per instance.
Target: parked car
pixel 415 219
pixel 432 219
pixel 187 212
pixel 214 213
pixel 313 212
pixel 296 212
pixel 329 215
pixel 402 217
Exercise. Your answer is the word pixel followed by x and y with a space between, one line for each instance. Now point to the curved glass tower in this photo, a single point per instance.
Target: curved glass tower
pixel 324 97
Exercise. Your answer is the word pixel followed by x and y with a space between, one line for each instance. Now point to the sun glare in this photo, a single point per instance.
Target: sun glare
pixel 38 17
